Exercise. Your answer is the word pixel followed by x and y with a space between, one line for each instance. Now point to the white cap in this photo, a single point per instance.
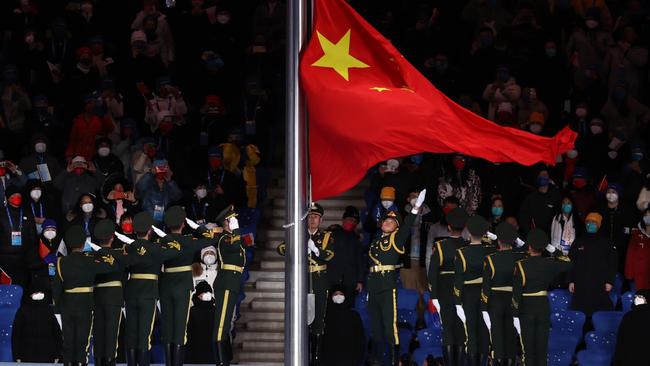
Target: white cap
pixel 208 249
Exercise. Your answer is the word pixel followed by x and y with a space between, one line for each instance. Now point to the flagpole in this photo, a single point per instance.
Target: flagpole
pixel 295 309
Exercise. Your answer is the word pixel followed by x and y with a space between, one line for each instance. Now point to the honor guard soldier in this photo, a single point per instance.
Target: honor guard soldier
pixel 441 286
pixel 468 278
pixel 533 275
pixel 176 284
pixel 496 296
pixel 141 295
pixel 72 290
pixel 319 252
pixel 385 252
pixel 109 297
pixel 227 285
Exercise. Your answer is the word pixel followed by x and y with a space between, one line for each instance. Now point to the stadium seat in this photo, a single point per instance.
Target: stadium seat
pixel 627 300
pixel 559 300
pixel 594 358
pixel 559 358
pixel 407 301
pixel 600 341
pixel 407 319
pixel 568 323
pixel 430 338
pixel 361 300
pixel 10 297
pixel 420 354
pixel 607 321
pixel 405 338
pixel 562 343
pixel 432 320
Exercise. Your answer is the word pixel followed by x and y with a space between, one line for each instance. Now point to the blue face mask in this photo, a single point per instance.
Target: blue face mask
pixel 542 181
pixel 497 211
pixel 591 227
pixel 417 159
pixel 566 208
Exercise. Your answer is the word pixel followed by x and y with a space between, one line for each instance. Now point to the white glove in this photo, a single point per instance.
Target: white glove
pixel 612 154
pixel 436 304
pixel 419 201
pixel 58 320
pixel 486 320
pixel 461 313
pixel 94 246
pixel 519 243
pixel 311 248
pixel 158 232
pixel 210 225
pixel 191 224
pixel 123 238
pixel 515 322
pixel 491 236
pixel 550 248
pixel 233 223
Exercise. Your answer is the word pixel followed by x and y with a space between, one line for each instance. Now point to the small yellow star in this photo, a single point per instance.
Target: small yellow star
pixel 337 56
pixel 379 89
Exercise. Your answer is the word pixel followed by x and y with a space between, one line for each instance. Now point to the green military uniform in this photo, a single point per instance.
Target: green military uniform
pixel 496 295
pixel 72 290
pixel 227 284
pixel 530 304
pixel 468 278
pixel 176 285
pixel 384 253
pixel 109 299
pixel 441 286
pixel 141 293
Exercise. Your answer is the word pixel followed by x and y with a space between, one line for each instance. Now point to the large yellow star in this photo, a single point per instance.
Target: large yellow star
pixel 337 56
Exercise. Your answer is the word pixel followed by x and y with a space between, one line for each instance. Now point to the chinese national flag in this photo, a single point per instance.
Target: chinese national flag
pixel 43 250
pixel 367 104
pixel 5 279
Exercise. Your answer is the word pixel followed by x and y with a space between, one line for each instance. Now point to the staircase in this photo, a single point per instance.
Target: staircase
pixel 260 330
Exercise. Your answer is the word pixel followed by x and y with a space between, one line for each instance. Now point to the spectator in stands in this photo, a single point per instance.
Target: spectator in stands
pixel 347 270
pixel 15 107
pixel 223 185
pixel 637 261
pixel 387 203
pixel 539 207
pixel 17 239
pixel 142 159
pixel 10 176
pixel 45 122
pixel 40 163
pixel 41 202
pixel 529 104
pixel 120 198
pixel 389 174
pixel 84 79
pixel 626 62
pixel 496 213
pixel 633 334
pixel 168 99
pixel 201 208
pixel 206 270
pixel 344 341
pixel 125 228
pixel 156 190
pixel 462 182
pixel 618 221
pixel 503 95
pixel 159 36
pixel 79 177
pixel 51 240
pixel 594 268
pixel 624 113
pixel 85 129
pixel 86 213
pixel 582 195
pixel 563 226
pixel 106 163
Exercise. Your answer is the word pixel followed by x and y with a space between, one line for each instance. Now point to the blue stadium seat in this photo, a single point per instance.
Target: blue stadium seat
pixel 407 301
pixel 594 358
pixel 627 300
pixel 420 354
pixel 559 358
pixel 613 297
pixel 407 319
pixel 559 299
pixel 361 300
pixel 430 337
pixel 562 343
pixel 607 321
pixel 432 320
pixel 405 337
pixel 568 322
pixel 601 341
pixel 10 297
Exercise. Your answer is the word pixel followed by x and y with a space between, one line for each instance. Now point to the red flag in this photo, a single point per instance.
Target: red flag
pixel 5 279
pixel 43 250
pixel 367 104
pixel 602 186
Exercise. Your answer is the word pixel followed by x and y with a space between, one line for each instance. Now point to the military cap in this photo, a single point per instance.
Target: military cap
pixel 316 209
pixel 506 233
pixel 394 215
pixel 75 236
pixel 477 225
pixel 351 212
pixel 225 214
pixel 457 218
pixel 104 230
pixel 537 239
pixel 174 216
pixel 142 222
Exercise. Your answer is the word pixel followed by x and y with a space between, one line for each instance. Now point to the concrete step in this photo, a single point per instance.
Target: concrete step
pixel 276 305
pixel 255 294
pixel 276 223
pixel 327 204
pixel 246 357
pixel 248 314
pixel 265 326
pixel 262 273
pixel 255 336
pixel 263 347
pixel 272 234
pixel 271 264
pixel 270 284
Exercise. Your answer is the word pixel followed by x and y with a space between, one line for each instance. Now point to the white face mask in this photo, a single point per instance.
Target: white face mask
pixel 596 130
pixel 40 147
pixel 35 194
pixel 572 154
pixel 535 128
pixel 591 24
pixel 38 296
pixel 612 197
pixel 87 207
pixel 201 193
pixel 206 296
pixel 338 299
pixel 49 234
pixel 209 259
pixel 223 19
pixel 581 112
pixel 103 151
pixel 386 204
pixel 646 220
pixel 639 300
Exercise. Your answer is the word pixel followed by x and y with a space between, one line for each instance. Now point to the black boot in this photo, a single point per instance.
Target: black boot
pixel 168 354
pixel 100 361
pixel 222 351
pixel 217 356
pixel 144 358
pixel 509 362
pixel 448 355
pixel 394 356
pixel 178 355
pixel 471 359
pixel 317 343
pixel 110 361
pixel 131 357
pixel 483 359
pixel 458 358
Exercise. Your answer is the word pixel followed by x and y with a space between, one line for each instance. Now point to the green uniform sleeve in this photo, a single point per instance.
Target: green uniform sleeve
pixel 281 249
pixel 486 287
pixel 459 276
pixel 517 287
pixel 403 234
pixel 165 253
pixel 57 285
pixel 105 263
pixel 562 263
pixel 434 269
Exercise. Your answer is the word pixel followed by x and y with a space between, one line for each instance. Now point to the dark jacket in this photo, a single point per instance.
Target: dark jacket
pixel 200 332
pixel 36 335
pixel 633 338
pixel 538 209
pixel 343 342
pixel 347 267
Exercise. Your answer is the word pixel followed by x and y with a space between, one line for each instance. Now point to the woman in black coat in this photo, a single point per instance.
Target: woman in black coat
pixel 344 340
pixel 634 333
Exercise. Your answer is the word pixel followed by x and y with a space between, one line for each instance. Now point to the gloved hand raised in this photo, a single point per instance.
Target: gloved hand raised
pixel 419 201
pixel 233 223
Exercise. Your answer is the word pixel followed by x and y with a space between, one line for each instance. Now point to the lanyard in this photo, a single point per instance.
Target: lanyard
pixel 86 221
pixel 11 221
pixel 223 174
pixel 40 211
pixel 194 211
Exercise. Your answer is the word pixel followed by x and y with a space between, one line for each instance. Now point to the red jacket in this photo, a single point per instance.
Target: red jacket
pixel 83 135
pixel 637 262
